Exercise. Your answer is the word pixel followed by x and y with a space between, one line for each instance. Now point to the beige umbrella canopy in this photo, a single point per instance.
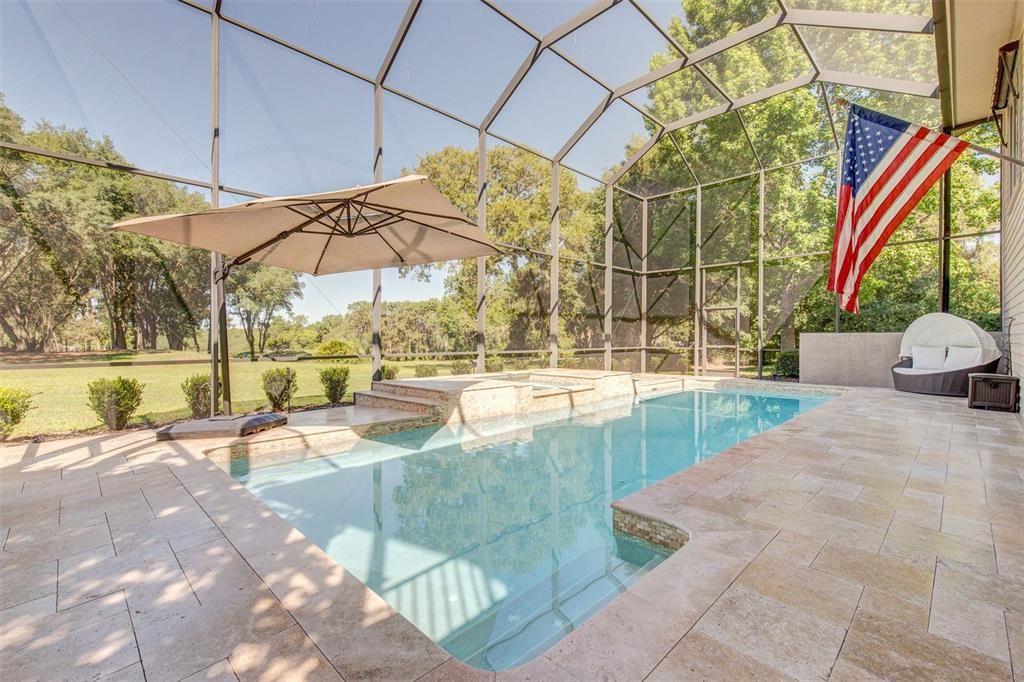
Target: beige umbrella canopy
pixel 388 224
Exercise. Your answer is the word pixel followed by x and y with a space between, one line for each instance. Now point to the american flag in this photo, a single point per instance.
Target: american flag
pixel 888 166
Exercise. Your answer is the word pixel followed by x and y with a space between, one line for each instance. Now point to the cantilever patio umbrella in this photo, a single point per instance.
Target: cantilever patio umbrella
pixel 388 224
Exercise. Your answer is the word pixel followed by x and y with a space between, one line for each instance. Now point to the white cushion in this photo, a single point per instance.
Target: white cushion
pixel 912 370
pixel 962 357
pixel 928 357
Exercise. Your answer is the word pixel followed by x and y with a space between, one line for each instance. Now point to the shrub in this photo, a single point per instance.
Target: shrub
pixel 334 347
pixel 463 366
pixel 197 394
pixel 335 383
pixel 493 364
pixel 280 386
pixel 389 372
pixel 426 370
pixel 520 364
pixel 788 364
pixel 116 400
pixel 14 404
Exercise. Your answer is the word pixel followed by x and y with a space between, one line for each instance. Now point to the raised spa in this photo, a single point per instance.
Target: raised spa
pixel 497 540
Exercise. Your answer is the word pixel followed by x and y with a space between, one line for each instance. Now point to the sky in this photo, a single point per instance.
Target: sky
pixel 139 72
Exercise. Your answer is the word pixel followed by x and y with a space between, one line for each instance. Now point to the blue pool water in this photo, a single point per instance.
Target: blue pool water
pixel 498 544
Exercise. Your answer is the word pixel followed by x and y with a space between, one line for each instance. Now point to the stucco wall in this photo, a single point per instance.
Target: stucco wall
pixel 849 359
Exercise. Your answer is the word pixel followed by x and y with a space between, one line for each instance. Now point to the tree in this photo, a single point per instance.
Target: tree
pixel 60 265
pixel 255 294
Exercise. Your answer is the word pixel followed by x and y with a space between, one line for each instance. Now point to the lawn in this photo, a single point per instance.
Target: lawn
pixel 59 394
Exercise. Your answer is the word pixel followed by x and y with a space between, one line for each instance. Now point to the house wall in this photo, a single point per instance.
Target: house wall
pixel 1013 230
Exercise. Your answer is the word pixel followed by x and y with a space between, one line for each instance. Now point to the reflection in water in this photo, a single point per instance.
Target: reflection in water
pixel 498 546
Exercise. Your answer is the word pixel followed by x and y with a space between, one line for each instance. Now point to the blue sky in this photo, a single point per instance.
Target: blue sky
pixel 139 72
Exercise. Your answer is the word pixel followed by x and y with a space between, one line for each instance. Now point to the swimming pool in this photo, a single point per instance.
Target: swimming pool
pixel 498 544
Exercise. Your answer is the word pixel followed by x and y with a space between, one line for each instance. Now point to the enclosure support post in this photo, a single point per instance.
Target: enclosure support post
pixel 553 248
pixel 698 293
pixel 608 217
pixel 760 281
pixel 481 262
pixel 218 302
pixel 376 354
pixel 946 215
pixel 643 287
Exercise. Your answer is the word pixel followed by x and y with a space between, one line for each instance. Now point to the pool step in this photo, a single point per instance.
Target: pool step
pixel 406 403
pixel 438 395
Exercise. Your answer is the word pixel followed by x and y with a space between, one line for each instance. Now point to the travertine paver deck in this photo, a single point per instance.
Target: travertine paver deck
pixel 879 536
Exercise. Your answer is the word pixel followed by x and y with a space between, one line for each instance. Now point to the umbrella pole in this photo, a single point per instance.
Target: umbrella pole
pixel 222 331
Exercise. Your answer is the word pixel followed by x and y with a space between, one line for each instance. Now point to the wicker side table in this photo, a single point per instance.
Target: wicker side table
pixel 993 392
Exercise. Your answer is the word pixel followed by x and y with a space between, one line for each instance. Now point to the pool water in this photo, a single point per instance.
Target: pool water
pixel 497 546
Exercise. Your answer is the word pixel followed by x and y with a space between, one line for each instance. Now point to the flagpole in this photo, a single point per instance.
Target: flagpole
pixel 843 102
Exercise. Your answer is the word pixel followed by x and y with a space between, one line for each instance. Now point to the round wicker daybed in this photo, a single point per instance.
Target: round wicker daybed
pixel 938 351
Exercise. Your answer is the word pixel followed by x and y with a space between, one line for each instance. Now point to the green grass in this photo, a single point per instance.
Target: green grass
pixel 59 394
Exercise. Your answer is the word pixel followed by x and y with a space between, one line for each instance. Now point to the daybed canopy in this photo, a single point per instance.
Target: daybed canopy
pixel 945 330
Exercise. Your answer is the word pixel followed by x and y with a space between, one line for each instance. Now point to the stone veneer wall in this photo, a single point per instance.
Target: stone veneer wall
pixel 649 530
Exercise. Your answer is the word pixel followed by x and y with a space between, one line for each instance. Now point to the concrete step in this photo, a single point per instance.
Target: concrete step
pixel 406 403
pixel 407 389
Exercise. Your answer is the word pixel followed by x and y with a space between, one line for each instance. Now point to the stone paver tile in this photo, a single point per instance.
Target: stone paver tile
pixel 645 632
pixel 883 573
pixel 114 509
pixel 1015 633
pixel 787 639
pixel 965 527
pixel 913 615
pixel 37 625
pixel 218 672
pixel 1009 542
pixel 454 670
pixel 214 567
pixel 882 648
pixel 693 578
pixel 28 584
pixel 538 670
pixel 822 595
pixel 182 531
pixel 149 575
pixel 288 655
pixel 198 636
pixel 794 547
pixel 821 526
pixel 920 546
pixel 25 550
pixel 104 647
pixel 698 657
pixel 969 622
pixel 980 511
pixel 1003 592
pixel 17 622
pixel 739 544
pixel 860 512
